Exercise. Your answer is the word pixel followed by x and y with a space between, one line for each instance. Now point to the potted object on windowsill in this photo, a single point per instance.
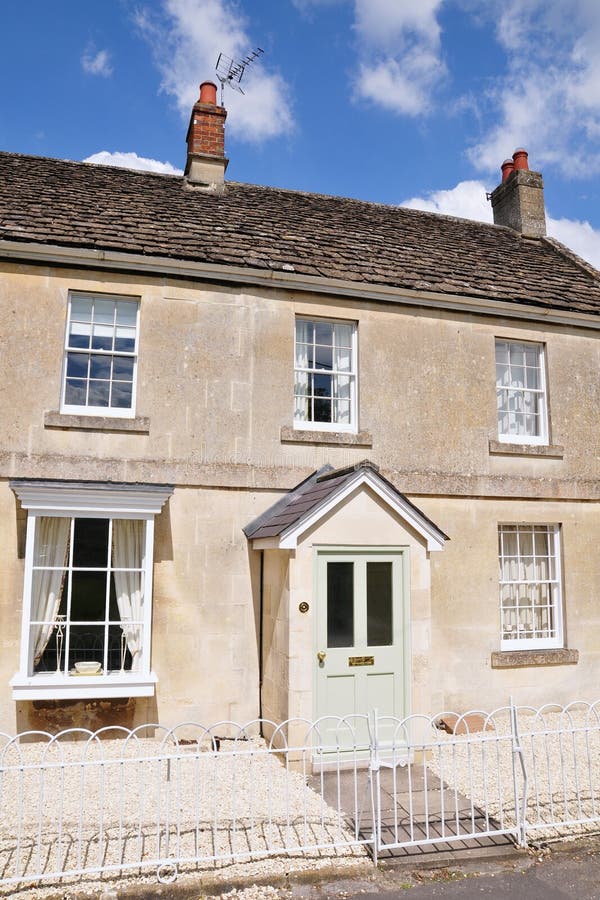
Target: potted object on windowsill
pixel 87 667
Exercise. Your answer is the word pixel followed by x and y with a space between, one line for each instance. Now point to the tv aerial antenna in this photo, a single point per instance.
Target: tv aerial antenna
pixel 231 71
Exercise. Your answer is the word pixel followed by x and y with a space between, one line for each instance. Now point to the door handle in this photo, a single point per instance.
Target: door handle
pixel 321 657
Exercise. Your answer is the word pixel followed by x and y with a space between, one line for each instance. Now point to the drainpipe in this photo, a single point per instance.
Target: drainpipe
pixel 260 636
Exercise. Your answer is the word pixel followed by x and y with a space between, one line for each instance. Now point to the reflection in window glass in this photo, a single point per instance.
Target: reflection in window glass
pixel 379 604
pixel 324 376
pixel 101 353
pixel 340 604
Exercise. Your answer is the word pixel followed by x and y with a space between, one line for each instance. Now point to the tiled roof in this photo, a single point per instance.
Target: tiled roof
pixel 82 205
pixel 313 492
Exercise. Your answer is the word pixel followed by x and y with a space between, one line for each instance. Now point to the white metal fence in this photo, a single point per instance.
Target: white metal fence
pixel 118 801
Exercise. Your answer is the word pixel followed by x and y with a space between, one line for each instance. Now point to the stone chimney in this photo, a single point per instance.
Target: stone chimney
pixel 206 163
pixel 519 200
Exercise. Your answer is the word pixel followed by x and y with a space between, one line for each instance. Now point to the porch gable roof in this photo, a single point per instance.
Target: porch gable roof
pixel 283 523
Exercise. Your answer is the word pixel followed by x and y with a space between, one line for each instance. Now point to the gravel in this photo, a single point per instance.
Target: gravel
pixel 561 753
pixel 243 805
pixel 240 804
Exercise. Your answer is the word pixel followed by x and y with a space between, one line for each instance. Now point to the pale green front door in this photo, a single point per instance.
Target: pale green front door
pixel 361 655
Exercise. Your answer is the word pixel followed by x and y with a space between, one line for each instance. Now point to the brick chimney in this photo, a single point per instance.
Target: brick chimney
pixel 518 201
pixel 205 138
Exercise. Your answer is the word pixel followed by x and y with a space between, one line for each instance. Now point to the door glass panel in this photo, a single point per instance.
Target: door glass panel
pixel 379 604
pixel 340 604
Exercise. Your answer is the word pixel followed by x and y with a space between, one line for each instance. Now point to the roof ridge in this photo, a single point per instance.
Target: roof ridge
pixel 96 165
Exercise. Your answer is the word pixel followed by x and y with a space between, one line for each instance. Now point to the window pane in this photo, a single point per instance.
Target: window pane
pixel 103 337
pixel 303 354
pixel 379 604
pixel 323 358
pixel 86 644
pixel 323 333
pixel 100 366
pixel 81 309
pixel 90 543
pixel 123 368
pixel 104 311
pixel 343 335
pixel 88 596
pixel 125 340
pixel 342 359
pixel 79 335
pixel 304 331
pixel 127 312
pixel 340 604
pixel 77 365
pixel 98 393
pixel 121 394
pixel 321 410
pixel 75 392
pixel 341 412
pixel 322 385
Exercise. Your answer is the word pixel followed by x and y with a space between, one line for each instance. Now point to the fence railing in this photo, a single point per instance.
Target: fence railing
pixel 118 801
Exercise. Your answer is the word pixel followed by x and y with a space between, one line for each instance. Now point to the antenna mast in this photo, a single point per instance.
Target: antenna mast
pixel 231 71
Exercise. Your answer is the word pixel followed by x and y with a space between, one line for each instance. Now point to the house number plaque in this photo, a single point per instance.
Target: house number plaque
pixel 361 660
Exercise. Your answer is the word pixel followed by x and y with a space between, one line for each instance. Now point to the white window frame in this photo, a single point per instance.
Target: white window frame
pixel 543 437
pixel 56 499
pixel 556 582
pixel 352 426
pixel 104 411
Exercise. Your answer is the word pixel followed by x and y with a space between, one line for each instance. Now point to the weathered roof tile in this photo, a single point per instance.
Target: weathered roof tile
pixel 72 204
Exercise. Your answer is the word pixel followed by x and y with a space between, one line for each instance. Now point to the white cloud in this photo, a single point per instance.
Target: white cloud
pixel 549 97
pixel 579 236
pixel 132 161
pixel 96 63
pixel 400 62
pixel 468 200
pixel 187 38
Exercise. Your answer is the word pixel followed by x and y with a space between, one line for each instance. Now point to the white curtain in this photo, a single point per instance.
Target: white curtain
pixel 52 535
pixel 128 553
pixel 526 556
pixel 301 377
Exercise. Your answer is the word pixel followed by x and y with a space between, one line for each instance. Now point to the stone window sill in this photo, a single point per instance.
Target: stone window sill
pixel 516 659
pixel 138 425
pixel 550 451
pixel 291 435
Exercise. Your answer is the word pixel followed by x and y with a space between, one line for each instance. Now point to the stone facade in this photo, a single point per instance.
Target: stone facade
pixel 214 418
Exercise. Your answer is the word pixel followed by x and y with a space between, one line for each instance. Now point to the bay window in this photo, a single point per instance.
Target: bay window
pixel 87 589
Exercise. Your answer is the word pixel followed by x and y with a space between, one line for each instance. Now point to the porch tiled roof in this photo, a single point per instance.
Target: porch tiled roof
pixel 309 495
pixel 50 201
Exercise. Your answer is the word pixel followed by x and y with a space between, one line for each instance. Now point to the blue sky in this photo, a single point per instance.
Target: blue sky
pixel 399 101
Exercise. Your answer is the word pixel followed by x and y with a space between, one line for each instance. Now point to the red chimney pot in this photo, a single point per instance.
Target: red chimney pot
pixel 507 167
pixel 520 159
pixel 208 93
